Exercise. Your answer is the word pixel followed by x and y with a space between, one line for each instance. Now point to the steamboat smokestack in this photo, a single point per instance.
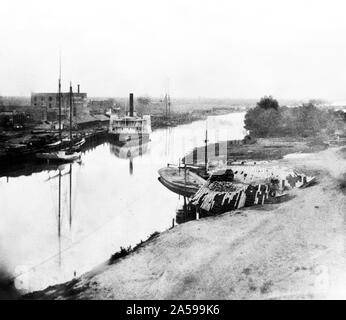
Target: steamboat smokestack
pixel 131 104
pixel 78 87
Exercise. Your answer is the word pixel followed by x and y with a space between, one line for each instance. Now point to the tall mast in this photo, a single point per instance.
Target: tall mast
pixel 71 115
pixel 206 149
pixel 59 97
pixel 59 217
pixel 169 105
pixel 166 105
pixel 70 220
pixel 168 101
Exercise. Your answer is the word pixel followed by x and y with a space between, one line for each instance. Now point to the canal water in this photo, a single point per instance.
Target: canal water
pixel 57 222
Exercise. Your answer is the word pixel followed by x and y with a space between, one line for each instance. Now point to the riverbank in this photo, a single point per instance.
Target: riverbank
pixel 261 149
pixel 294 249
pixel 179 118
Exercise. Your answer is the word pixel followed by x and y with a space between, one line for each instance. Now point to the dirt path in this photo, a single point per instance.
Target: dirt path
pixel 295 249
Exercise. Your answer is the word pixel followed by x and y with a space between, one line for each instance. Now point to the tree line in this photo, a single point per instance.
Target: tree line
pixel 268 118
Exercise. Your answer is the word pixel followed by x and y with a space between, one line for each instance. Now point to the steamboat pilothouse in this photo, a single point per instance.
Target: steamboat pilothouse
pixel 130 127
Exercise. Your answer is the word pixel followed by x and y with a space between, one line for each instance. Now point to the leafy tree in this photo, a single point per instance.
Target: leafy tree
pixel 268 102
pixel 268 119
pixel 264 119
pixel 309 119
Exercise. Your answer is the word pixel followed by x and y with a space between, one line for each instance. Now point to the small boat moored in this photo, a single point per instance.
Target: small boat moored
pixel 62 155
pixel 180 180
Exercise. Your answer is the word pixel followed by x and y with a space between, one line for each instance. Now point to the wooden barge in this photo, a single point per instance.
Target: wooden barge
pixel 245 185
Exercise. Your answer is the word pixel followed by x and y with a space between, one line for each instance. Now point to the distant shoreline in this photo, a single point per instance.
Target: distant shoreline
pixel 176 119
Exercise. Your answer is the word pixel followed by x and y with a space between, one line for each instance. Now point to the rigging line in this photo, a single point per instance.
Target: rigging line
pixel 59 207
pixel 64 250
pixel 53 189
pixel 70 198
pixel 77 174
pixel 59 96
pixel 56 176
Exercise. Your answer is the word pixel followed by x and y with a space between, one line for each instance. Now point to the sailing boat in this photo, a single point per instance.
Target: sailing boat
pixel 68 154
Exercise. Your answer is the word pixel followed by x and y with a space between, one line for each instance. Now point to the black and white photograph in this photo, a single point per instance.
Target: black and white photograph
pixel 172 150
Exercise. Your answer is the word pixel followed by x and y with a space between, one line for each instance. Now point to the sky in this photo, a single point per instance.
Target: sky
pixel 294 49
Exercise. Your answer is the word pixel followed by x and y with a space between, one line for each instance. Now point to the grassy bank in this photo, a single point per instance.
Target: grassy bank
pixel 262 149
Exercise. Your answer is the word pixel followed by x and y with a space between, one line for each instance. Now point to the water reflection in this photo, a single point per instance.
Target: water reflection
pixel 58 222
pixel 59 205
pixel 26 169
pixel 32 166
pixel 187 212
pixel 129 150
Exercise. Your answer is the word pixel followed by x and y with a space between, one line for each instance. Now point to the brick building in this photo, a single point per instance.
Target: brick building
pixel 48 109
